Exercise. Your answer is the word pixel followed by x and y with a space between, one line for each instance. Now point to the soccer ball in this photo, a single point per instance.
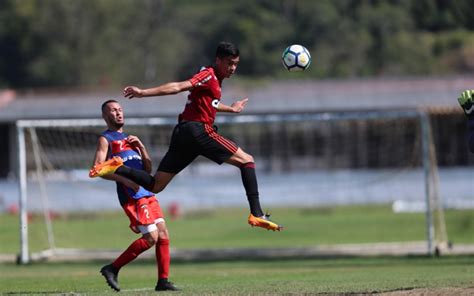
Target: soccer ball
pixel 296 58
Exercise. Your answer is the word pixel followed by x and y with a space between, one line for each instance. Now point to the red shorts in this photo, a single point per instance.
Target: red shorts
pixel 143 211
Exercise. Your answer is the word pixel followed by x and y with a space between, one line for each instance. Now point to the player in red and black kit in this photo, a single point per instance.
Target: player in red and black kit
pixel 140 205
pixel 195 135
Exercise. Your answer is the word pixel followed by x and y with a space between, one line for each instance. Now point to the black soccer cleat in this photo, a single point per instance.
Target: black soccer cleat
pixel 165 285
pixel 110 274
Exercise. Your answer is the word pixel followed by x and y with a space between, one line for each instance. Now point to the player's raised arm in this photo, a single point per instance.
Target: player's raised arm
pixel 169 88
pixel 236 107
pixel 101 151
pixel 146 159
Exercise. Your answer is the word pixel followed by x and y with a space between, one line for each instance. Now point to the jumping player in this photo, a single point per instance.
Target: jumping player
pixel 139 204
pixel 466 101
pixel 196 135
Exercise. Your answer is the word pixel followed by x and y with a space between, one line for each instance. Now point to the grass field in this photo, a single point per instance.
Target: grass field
pixel 227 228
pixel 325 276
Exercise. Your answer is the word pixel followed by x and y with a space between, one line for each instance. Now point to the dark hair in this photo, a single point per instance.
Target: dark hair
pixel 104 104
pixel 225 49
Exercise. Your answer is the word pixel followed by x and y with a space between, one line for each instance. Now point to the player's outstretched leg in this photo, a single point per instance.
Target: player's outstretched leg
pixel 110 274
pixel 256 217
pixel 106 168
pixel 142 178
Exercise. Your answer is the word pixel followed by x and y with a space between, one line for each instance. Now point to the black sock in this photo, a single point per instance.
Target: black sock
pixel 140 177
pixel 249 179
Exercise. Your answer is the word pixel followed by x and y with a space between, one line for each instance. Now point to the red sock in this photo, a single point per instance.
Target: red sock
pixel 162 253
pixel 135 249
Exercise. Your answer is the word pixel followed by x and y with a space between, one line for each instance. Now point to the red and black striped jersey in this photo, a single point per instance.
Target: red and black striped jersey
pixel 204 98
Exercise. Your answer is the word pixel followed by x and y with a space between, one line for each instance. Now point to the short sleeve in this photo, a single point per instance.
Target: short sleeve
pixel 201 78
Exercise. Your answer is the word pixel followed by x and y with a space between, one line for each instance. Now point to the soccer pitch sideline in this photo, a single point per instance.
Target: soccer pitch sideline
pixel 449 275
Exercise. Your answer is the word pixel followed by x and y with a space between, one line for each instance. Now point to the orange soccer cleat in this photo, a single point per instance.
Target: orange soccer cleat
pixel 264 222
pixel 106 168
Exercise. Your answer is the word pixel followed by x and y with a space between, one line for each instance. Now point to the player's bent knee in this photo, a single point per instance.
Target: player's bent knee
pixel 151 241
pixel 250 158
pixel 245 157
pixel 162 230
pixel 163 234
pixel 161 182
pixel 240 158
pixel 151 238
pixel 158 188
pixel 150 233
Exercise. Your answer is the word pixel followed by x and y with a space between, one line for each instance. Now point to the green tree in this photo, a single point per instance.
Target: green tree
pixel 102 42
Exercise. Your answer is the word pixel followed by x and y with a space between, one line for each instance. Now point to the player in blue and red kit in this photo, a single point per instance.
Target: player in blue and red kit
pixel 195 133
pixel 140 205
pixel 466 100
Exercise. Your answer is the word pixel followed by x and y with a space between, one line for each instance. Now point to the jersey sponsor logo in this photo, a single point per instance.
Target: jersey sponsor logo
pixel 132 157
pixel 215 103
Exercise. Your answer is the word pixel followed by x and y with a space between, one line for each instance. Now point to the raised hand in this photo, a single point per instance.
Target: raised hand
pixel 132 92
pixel 135 141
pixel 239 106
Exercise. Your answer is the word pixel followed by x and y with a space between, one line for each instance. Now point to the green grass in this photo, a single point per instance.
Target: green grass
pixel 344 275
pixel 228 228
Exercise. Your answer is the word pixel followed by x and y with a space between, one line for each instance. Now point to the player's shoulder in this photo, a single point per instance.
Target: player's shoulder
pixel 206 70
pixel 205 75
pixel 105 135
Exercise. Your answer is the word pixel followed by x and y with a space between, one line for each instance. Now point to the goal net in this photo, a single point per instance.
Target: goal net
pixel 304 160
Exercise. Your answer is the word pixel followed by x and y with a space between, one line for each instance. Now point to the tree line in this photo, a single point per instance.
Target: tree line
pixel 111 42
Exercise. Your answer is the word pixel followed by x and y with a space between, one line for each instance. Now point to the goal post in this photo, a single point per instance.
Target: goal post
pixel 359 149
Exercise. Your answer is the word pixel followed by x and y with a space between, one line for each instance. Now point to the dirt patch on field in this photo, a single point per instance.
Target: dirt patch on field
pixel 431 292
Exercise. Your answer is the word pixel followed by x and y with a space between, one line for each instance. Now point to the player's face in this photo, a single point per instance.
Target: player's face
pixel 113 115
pixel 227 66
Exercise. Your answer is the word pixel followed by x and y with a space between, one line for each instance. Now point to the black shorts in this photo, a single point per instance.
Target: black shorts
pixel 191 139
